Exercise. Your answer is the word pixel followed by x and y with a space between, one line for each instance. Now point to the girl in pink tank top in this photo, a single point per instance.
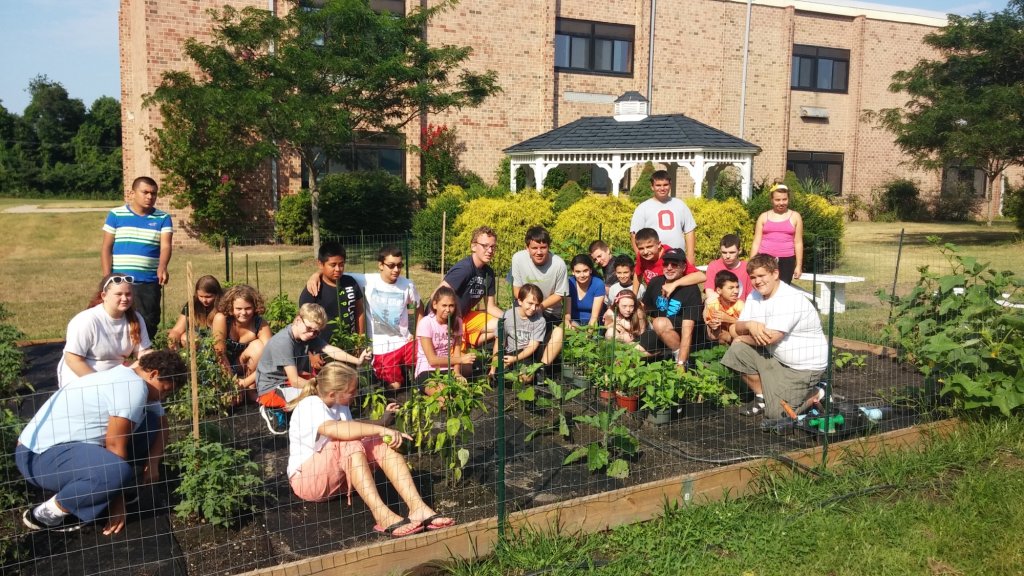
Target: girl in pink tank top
pixel 779 232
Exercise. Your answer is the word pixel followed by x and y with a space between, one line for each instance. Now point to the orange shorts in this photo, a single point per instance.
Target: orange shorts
pixel 474 323
pixel 325 474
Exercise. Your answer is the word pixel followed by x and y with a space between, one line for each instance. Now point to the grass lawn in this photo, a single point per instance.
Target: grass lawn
pixel 955 508
pixel 51 265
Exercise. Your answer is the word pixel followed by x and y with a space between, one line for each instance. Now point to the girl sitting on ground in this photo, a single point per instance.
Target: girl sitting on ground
pixel 629 325
pixel 240 333
pixel 440 341
pixel 524 330
pixel 108 333
pixel 204 304
pixel 330 453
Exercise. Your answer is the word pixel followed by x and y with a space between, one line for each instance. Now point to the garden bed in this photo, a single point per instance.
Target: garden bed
pixel 286 529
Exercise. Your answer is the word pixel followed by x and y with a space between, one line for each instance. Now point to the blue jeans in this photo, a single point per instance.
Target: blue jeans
pixel 86 476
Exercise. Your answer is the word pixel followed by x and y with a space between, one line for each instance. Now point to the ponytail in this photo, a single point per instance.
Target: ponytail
pixel 334 376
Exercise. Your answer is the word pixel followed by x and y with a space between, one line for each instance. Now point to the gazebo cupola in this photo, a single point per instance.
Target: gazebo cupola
pixel 631 137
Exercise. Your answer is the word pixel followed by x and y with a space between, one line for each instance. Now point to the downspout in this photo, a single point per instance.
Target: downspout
pixel 274 175
pixel 743 82
pixel 650 61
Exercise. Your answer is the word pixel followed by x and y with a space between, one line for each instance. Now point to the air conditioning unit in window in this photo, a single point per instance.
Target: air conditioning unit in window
pixel 813 112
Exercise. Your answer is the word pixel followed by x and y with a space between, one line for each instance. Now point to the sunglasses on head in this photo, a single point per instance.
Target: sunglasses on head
pixel 115 280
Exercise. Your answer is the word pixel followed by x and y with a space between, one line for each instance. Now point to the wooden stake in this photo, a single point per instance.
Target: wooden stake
pixel 444 233
pixel 192 365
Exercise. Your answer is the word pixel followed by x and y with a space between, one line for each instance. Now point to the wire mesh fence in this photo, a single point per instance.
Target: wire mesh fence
pixel 604 415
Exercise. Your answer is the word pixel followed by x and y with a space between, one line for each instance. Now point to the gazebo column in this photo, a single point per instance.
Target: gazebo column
pixel 696 168
pixel 540 172
pixel 615 170
pixel 747 176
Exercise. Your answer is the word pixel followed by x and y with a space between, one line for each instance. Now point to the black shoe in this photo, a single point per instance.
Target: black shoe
pixel 753 408
pixel 276 420
pixel 67 524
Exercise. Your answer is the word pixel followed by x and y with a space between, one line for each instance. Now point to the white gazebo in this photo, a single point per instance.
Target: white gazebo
pixel 632 137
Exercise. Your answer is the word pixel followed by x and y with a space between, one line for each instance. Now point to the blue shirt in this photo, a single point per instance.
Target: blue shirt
pixel 581 308
pixel 136 249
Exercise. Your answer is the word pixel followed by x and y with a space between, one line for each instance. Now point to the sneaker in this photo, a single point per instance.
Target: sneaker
pixel 68 523
pixel 753 408
pixel 276 419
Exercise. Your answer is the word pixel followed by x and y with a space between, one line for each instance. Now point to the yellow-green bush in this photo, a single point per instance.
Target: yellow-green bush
pixel 580 224
pixel 716 218
pixel 427 225
pixel 510 217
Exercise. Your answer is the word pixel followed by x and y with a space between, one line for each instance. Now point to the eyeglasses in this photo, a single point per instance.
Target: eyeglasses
pixel 487 247
pixel 673 264
pixel 116 280
pixel 313 331
pixel 391 266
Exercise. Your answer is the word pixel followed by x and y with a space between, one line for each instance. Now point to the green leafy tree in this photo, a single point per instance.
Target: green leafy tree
pixel 966 106
pixel 307 83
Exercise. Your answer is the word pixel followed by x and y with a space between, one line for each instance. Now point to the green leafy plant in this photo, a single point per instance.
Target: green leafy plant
pixel 844 359
pixel 460 398
pixel 428 223
pixel 718 218
pixel 416 418
pixel 12 493
pixel 281 311
pixel 641 189
pixel 570 193
pixel 609 453
pixel 559 396
pixel 627 371
pixel 662 388
pixel 217 388
pixel 218 483
pixel 12 359
pixel 959 333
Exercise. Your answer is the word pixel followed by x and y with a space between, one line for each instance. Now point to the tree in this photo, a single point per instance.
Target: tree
pixel 966 108
pixel 306 83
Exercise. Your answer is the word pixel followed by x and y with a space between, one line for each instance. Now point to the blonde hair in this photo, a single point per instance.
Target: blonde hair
pixel 313 313
pixel 333 377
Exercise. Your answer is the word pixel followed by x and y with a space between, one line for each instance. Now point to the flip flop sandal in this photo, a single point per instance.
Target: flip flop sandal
pixel 390 530
pixel 428 523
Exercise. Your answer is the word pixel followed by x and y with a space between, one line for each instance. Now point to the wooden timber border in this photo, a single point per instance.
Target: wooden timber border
pixel 589 514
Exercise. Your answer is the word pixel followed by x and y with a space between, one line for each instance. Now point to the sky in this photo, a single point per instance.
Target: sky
pixel 74 42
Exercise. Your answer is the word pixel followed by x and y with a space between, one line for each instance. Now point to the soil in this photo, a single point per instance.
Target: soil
pixel 158 542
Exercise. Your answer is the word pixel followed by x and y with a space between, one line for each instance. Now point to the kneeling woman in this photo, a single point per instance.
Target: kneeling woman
pixel 85 439
pixel 330 453
pixel 240 333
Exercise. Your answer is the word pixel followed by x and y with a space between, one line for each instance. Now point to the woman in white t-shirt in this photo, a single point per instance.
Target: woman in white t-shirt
pixel 107 334
pixel 330 453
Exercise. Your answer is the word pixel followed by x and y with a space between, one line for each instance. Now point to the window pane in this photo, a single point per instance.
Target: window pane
pixel 802 50
pixel 561 51
pixel 839 75
pixel 615 31
pixel 578 56
pixel 806 69
pixel 834 177
pixel 392 161
pixel 623 58
pixel 824 75
pixel 794 74
pixel 603 55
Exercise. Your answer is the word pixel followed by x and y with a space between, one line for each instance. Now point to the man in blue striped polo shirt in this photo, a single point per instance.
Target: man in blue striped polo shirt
pixel 137 243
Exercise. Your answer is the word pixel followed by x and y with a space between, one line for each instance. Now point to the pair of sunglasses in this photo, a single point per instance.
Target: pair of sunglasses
pixel 116 280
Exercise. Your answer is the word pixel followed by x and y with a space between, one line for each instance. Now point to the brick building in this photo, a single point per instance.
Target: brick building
pixel 791 76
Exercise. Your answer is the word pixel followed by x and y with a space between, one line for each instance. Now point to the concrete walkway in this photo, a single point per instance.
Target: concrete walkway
pixel 36 209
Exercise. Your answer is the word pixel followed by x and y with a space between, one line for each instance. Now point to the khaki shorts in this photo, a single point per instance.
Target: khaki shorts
pixel 778 381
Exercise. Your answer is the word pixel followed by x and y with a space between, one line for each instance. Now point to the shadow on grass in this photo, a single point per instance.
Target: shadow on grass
pixel 967 237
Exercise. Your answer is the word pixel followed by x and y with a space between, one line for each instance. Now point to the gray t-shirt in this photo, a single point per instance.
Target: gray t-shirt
pixel 672 220
pixel 521 331
pixel 551 278
pixel 281 351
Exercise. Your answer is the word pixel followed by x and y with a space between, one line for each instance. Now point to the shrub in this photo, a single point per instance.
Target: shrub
pixel 12 360
pixel 955 205
pixel 595 216
pixel 509 217
pixel 217 483
pixel 1013 204
pixel 293 222
pixel 356 201
pixel 823 227
pixel 641 189
pixel 12 491
pixel 501 174
pixel 568 195
pixel 555 179
pixel 440 155
pixel 281 311
pixel 428 223
pixel 715 219
pixel 960 337
pixel 727 185
pixel 818 187
pixel 898 199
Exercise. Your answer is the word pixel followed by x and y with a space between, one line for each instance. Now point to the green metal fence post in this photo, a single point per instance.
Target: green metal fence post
pixel 500 435
pixel 827 404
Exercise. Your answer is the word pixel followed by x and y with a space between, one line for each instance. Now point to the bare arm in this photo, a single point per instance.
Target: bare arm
pixel 162 275
pixel 691 246
pixel 360 317
pixel 758 332
pixel 219 327
pixel 354 430
pixel 151 473
pixel 455 358
pixel 492 307
pixel 339 354
pixel 798 243
pixel 313 284
pixel 175 334
pixel 77 364
pixel 595 311
pixel 758 231
pixel 107 253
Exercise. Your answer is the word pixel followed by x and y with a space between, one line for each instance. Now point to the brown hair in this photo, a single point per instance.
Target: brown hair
pixel 245 292
pixel 638 322
pixel 210 285
pixel 766 261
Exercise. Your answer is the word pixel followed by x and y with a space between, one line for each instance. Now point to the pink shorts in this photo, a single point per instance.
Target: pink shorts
pixel 389 366
pixel 325 474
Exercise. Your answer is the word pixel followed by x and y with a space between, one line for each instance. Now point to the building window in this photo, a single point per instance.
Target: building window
pixel 957 177
pixel 824 166
pixel 820 69
pixel 385 153
pixel 583 46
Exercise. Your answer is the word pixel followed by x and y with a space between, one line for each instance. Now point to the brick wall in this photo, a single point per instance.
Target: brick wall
pixel 697 72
